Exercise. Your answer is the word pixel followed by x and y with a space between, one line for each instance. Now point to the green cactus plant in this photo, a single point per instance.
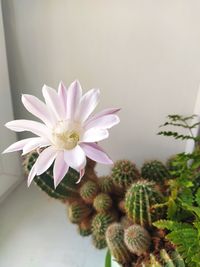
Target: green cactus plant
pixel 66 190
pixel 139 201
pixel 101 221
pixel 106 184
pixel 102 202
pixel 99 241
pixel 124 173
pixel 164 259
pixel 137 239
pixel 116 245
pixel 155 171
pixel 88 191
pixel 77 211
pixel 84 227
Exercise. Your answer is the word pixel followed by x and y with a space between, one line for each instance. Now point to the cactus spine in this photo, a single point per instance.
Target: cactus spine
pixel 139 200
pixel 137 239
pixel 77 211
pixel 66 190
pixel 124 173
pixel 116 245
pixel 102 202
pixel 155 171
pixel 88 191
pixel 100 223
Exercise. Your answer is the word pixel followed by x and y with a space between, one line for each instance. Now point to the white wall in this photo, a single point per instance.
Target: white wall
pixel 143 55
pixel 10 171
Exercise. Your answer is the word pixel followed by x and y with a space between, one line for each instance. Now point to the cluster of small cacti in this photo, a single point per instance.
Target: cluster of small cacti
pixel 117 210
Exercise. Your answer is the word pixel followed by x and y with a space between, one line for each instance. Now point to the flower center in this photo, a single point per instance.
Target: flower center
pixel 66 135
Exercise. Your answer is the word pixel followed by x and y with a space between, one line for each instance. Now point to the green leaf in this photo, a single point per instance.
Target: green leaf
pixel 197 197
pixel 108 259
pixel 172 208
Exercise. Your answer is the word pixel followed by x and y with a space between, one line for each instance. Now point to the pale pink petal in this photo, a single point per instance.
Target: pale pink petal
pixel 60 168
pixel 45 160
pixel 102 113
pixel 31 175
pixel 75 158
pixel 73 98
pixel 88 103
pixel 36 142
pixel 28 125
pixel 81 174
pixel 62 94
pixel 37 108
pixel 96 153
pixel 104 122
pixel 94 135
pixel 17 145
pixel 53 102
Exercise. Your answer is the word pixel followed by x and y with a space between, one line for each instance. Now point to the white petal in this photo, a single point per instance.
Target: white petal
pixel 53 102
pixel 96 153
pixel 73 99
pixel 17 145
pixel 75 158
pixel 31 175
pixel 28 125
pixel 104 122
pixel 62 94
pixel 87 105
pixel 81 174
pixel 37 108
pixel 35 143
pixel 60 168
pixel 45 160
pixel 94 135
pixel 102 113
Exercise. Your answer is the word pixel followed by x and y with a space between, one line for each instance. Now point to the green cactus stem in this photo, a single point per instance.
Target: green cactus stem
pixel 116 245
pixel 102 202
pixel 139 201
pixel 99 241
pixel 155 171
pixel 137 239
pixel 88 191
pixel 124 173
pixel 77 211
pixel 106 184
pixel 67 189
pixel 101 221
pixel 84 227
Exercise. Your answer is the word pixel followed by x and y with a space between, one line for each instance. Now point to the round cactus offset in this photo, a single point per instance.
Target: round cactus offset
pixel 155 171
pixel 77 211
pixel 84 227
pixel 116 245
pixel 106 184
pixel 124 173
pixel 99 241
pixel 137 239
pixel 102 202
pixel 100 223
pixel 88 191
pixel 139 202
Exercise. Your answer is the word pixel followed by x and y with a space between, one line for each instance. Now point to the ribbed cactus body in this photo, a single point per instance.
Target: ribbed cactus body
pixel 165 259
pixel 102 202
pixel 116 245
pixel 99 241
pixel 124 173
pixel 155 171
pixel 137 239
pixel 67 188
pixel 88 191
pixel 77 211
pixel 140 198
pixel 84 227
pixel 106 184
pixel 100 223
